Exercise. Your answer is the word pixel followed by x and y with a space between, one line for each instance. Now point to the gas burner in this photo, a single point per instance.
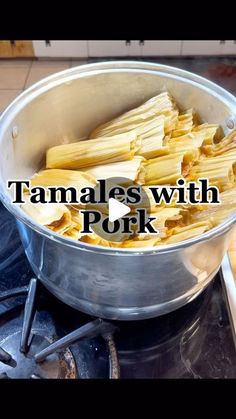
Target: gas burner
pixel 27 353
pixel 16 364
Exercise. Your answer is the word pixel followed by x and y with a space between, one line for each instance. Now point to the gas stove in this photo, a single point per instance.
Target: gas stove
pixel 41 337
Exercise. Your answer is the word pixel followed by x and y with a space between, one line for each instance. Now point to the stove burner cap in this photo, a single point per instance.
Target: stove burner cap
pixel 57 365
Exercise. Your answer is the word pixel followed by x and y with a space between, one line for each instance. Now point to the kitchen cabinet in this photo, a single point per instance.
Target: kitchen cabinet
pixel 61 49
pixel 228 48
pixel 114 48
pixel 135 48
pixel 202 47
pixel 160 48
pixel 10 49
pixel 108 48
pixel 123 48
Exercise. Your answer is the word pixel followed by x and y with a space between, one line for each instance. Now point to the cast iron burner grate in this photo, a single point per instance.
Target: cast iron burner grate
pixel 28 354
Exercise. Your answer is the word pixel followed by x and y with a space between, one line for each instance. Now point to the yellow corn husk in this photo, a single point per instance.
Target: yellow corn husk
pixel 116 237
pixel 228 198
pixel 157 105
pixel 147 201
pixel 227 160
pixel 152 144
pixel 162 217
pixel 151 135
pixel 60 177
pixel 209 130
pixel 183 233
pixel 91 238
pixel 90 152
pixel 140 243
pixel 163 170
pixel 214 215
pixel 184 124
pixel 65 178
pixel 218 213
pixel 129 169
pixel 73 233
pixel 96 240
pixel 218 171
pixel 186 143
pixel 227 144
pixel 76 218
pixel 55 216
pixel 171 120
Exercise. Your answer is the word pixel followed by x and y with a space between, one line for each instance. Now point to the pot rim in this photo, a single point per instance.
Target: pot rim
pixel 69 75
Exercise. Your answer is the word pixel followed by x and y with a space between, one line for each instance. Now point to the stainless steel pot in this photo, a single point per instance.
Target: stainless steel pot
pixel 121 284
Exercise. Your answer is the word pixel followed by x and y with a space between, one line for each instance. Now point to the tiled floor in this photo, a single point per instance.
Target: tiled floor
pixel 17 75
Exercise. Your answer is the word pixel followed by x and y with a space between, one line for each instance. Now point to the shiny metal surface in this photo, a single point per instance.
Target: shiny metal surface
pixel 229 286
pixel 119 284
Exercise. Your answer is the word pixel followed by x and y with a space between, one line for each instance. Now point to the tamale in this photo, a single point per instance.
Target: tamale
pixel 73 233
pixel 228 143
pixel 153 144
pixel 160 104
pixel 55 216
pixel 171 119
pixel 183 233
pixel 209 130
pixel 140 243
pixel 60 177
pixel 187 142
pixel 96 240
pixel 184 123
pixel 163 170
pixel 219 173
pixel 129 169
pixel 162 216
pixel 218 213
pixel 90 152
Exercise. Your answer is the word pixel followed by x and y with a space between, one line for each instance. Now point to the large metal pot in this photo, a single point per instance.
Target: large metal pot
pixel 118 284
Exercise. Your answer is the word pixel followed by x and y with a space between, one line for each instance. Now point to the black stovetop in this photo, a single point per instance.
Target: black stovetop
pixel 193 342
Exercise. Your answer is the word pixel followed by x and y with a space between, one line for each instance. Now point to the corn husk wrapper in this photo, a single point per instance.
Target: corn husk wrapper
pixel 174 145
pixel 218 213
pixel 65 178
pixel 209 130
pixel 227 144
pixel 186 143
pixel 162 216
pixel 152 141
pixel 73 233
pixel 140 243
pixel 130 120
pixel 96 240
pixel 92 152
pixel 171 120
pixel 116 237
pixel 219 171
pixel 183 233
pixel 55 216
pixel 184 124
pixel 163 170
pixel 147 201
pixel 150 134
pixel 129 169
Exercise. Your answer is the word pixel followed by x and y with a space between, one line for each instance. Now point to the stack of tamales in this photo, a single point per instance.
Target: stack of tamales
pixel 153 144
